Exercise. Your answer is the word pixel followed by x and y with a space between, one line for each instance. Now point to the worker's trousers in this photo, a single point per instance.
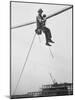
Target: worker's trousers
pixel 47 33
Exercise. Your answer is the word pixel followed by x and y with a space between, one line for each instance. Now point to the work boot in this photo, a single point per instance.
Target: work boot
pixel 51 41
pixel 48 44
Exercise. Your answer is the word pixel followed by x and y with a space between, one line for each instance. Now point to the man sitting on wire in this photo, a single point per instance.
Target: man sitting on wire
pixel 41 22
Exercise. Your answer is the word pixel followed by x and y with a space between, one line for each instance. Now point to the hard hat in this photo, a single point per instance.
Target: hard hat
pixel 40 10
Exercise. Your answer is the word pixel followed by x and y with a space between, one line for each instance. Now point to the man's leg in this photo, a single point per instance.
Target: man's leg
pixel 49 36
pixel 46 35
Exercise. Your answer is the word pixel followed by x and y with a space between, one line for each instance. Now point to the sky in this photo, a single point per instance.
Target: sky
pixel 40 62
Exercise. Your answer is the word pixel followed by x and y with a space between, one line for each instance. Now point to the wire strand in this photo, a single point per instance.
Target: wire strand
pixel 56 13
pixel 39 39
pixel 22 25
pixel 59 12
pixel 51 52
pixel 24 63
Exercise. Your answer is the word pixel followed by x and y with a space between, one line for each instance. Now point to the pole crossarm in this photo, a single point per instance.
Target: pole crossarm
pixel 54 14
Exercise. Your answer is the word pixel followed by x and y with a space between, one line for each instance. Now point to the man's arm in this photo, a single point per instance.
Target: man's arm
pixel 39 19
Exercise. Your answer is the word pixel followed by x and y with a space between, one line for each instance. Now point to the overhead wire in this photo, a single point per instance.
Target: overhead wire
pixel 54 14
pixel 51 52
pixel 24 64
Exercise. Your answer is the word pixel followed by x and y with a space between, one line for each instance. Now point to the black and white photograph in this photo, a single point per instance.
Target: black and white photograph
pixel 41 49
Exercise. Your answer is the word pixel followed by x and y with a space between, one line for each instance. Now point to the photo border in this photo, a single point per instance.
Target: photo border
pixel 19 96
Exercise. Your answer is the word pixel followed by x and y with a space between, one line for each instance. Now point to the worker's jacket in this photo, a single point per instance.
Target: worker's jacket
pixel 39 21
pixel 39 24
